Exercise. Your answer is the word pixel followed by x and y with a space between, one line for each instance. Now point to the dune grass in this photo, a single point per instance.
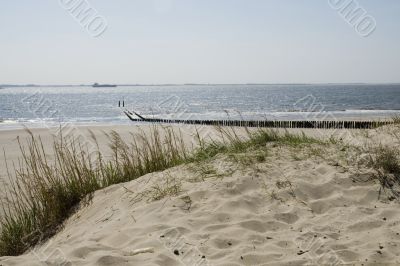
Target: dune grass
pixel 386 162
pixel 44 192
pixel 396 119
pixel 232 142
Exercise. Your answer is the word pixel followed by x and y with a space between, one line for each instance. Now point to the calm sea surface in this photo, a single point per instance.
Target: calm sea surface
pixel 46 106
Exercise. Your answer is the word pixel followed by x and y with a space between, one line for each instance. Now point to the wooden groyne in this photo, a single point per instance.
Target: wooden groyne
pixel 267 123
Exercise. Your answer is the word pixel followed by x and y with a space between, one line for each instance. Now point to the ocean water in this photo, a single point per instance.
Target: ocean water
pixel 50 106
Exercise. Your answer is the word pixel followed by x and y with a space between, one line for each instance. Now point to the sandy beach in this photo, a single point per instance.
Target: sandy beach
pixel 276 206
pixel 199 133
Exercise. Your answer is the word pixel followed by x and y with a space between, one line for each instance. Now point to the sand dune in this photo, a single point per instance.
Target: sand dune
pixel 295 207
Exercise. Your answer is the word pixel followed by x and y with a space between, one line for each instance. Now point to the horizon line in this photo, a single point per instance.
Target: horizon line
pixel 198 84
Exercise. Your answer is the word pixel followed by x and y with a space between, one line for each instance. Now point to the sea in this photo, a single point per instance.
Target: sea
pixel 36 107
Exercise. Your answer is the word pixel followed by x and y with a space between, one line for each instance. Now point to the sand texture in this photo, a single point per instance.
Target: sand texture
pixel 275 206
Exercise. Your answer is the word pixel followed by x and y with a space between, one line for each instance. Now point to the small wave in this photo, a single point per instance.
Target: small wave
pixel 5 121
pixel 370 111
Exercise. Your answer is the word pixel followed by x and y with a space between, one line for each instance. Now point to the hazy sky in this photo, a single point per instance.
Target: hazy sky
pixel 197 41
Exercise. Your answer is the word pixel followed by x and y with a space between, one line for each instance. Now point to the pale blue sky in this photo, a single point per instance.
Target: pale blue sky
pixel 198 41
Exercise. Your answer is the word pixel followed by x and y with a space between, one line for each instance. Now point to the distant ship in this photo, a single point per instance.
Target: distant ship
pixel 97 85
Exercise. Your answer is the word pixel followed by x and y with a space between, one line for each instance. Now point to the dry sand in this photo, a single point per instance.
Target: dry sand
pixel 297 207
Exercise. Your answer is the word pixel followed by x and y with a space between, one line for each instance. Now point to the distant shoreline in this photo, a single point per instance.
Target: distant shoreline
pixel 191 84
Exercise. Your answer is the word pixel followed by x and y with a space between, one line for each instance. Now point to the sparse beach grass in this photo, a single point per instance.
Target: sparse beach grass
pixel 396 119
pixel 386 163
pixel 44 192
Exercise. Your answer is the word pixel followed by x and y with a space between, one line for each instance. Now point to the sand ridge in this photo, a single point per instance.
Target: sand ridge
pixel 294 208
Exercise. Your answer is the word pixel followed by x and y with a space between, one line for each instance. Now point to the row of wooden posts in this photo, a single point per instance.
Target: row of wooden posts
pixel 268 123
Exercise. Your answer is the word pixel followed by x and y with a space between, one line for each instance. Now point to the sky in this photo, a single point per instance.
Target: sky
pixel 196 41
